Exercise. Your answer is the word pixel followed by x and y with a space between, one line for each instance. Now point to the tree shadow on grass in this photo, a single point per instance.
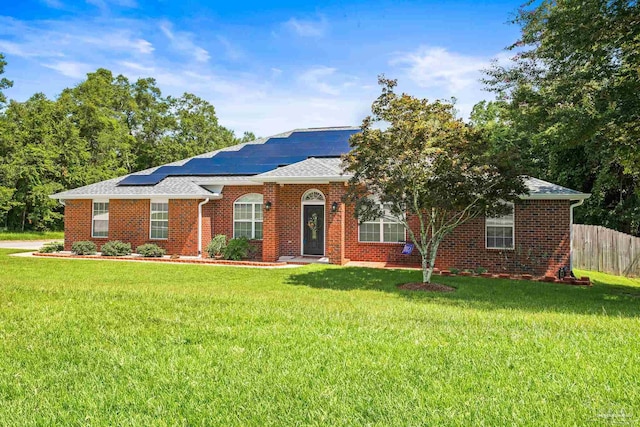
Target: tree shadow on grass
pixel 480 293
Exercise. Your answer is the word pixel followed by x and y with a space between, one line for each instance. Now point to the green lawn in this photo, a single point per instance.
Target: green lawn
pixel 31 235
pixel 118 343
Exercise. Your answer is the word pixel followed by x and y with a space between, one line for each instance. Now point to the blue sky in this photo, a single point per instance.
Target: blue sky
pixel 267 67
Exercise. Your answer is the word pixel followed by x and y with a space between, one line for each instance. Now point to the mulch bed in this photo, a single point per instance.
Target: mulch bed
pixel 165 259
pixel 426 287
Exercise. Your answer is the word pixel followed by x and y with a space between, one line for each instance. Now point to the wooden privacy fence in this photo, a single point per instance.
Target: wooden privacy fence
pixel 603 249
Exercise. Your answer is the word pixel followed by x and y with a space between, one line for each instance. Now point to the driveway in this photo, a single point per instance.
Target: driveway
pixel 24 244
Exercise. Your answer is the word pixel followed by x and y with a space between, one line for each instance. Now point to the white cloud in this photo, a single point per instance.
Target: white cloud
pixel 17 49
pixel 308 28
pixel 432 67
pixel 73 39
pixel 119 40
pixel 182 42
pixel 136 66
pixel 315 78
pixel 275 72
pixel 231 51
pixel 439 73
pixel 71 69
pixel 54 4
pixel 104 4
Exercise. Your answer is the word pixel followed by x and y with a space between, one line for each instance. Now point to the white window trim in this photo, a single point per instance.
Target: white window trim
pixel 382 221
pixel 513 228
pixel 253 215
pixel 93 204
pixel 151 202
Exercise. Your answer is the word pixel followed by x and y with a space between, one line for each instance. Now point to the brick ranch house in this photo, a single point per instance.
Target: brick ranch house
pixel 285 192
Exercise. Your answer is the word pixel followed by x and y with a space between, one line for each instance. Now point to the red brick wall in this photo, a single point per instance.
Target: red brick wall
pixel 222 216
pixel 271 223
pixel 77 222
pixel 129 222
pixel 335 246
pixel 541 243
pixel 371 251
pixel 541 230
pixel 183 227
pixel 207 225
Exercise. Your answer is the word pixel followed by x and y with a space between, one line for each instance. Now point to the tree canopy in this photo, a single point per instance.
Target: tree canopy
pixel 4 82
pixel 427 169
pixel 104 127
pixel 569 100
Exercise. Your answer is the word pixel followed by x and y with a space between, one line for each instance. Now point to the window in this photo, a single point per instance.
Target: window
pixel 392 230
pixel 500 231
pixel 100 223
pixel 159 219
pixel 247 217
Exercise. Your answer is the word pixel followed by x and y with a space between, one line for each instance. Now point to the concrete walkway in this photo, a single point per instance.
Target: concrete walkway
pixel 31 245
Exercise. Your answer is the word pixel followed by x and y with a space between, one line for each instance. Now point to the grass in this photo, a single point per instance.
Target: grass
pixel 31 235
pixel 113 343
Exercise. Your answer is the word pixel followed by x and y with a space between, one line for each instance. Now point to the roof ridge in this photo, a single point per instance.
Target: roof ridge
pixel 325 166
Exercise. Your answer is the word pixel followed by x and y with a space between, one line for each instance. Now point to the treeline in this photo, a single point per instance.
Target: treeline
pixel 104 127
pixel 569 102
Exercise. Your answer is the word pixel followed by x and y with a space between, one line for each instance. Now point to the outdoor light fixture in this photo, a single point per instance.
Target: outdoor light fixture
pixel 267 206
pixel 334 207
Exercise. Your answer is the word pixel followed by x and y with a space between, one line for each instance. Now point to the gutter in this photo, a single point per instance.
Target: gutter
pixel 131 196
pixel 575 205
pixel 300 180
pixel 576 196
pixel 200 205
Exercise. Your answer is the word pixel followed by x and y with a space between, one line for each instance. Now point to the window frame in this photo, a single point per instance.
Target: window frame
pixel 93 217
pixel 382 221
pixel 253 219
pixel 151 220
pixel 502 225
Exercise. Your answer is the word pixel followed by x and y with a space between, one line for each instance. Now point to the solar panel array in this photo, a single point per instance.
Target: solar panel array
pixel 253 159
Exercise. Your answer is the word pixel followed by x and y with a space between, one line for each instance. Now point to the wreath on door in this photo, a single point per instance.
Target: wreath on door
pixel 313 225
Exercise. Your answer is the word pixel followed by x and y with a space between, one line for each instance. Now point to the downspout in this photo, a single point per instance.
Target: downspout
pixel 200 205
pixel 571 233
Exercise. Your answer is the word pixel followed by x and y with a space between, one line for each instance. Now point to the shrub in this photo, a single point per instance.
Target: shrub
pixel 216 245
pixel 150 250
pixel 454 270
pixel 84 247
pixel 481 270
pixel 237 249
pixel 51 247
pixel 116 248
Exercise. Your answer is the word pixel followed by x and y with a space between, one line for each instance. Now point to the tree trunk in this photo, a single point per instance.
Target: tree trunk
pixel 24 216
pixel 426 271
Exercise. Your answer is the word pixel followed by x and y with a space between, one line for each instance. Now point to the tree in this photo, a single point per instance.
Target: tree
pixel 572 87
pixel 248 137
pixel 102 128
pixel 30 148
pixel 4 83
pixel 428 169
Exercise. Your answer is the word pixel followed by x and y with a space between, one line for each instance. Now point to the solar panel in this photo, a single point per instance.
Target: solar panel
pixel 253 159
pixel 151 179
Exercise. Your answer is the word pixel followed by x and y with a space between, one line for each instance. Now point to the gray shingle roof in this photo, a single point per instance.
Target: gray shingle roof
pixel 170 187
pixel 310 170
pixel 542 189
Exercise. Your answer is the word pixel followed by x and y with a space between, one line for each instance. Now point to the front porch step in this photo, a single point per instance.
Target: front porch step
pixel 304 259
